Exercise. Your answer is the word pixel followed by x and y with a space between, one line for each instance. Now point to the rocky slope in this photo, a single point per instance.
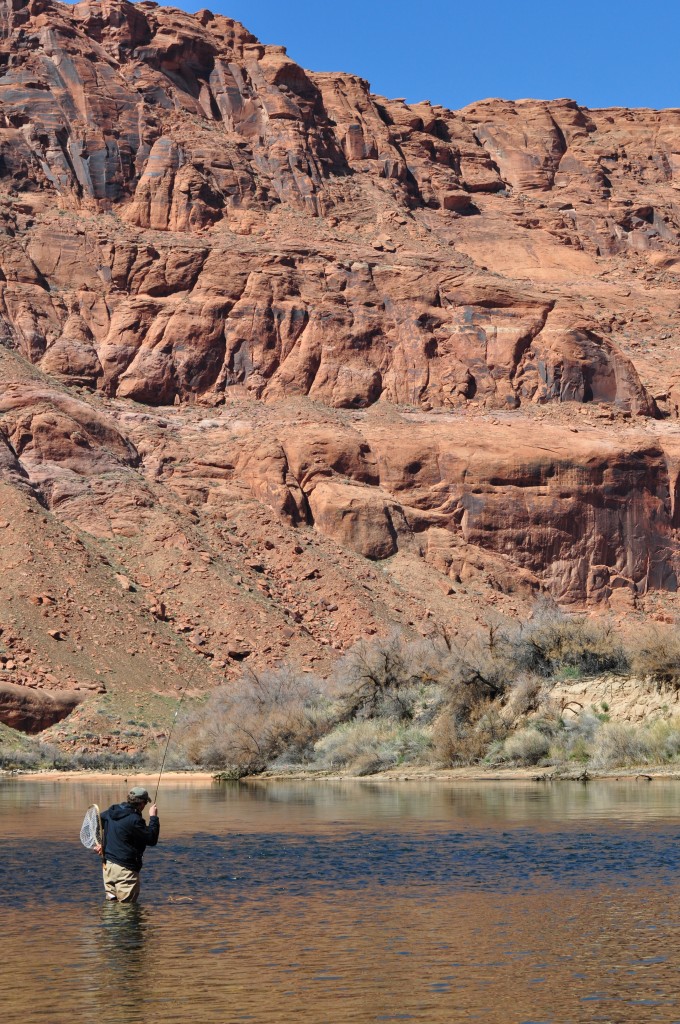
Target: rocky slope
pixel 284 363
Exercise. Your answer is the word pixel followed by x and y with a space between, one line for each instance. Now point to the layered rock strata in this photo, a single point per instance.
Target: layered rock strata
pixel 247 309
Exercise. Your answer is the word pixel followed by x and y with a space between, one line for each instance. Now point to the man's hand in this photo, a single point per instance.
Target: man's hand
pixel 98 849
pixel 153 811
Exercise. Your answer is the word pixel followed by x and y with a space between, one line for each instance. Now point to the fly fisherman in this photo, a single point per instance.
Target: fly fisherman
pixel 126 836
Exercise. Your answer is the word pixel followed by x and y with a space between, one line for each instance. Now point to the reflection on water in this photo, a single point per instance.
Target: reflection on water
pixel 320 904
pixel 118 943
pixel 27 807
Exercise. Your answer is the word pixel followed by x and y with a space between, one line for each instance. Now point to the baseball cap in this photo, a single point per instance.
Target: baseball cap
pixel 138 793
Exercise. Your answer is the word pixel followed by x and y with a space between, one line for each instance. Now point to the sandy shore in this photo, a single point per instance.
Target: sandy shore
pixel 422 774
pixel 133 778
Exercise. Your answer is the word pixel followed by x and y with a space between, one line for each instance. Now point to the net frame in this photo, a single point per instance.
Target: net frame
pixel 91 833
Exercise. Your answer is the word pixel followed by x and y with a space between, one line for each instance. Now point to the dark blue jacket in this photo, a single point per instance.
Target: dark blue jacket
pixel 126 836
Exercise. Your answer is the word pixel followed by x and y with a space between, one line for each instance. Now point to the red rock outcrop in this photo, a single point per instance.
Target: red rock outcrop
pixel 31 710
pixel 272 345
pixel 186 126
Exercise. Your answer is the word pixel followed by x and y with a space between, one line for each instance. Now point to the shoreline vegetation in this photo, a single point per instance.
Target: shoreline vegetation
pixel 649 773
pixel 499 705
pixel 475 774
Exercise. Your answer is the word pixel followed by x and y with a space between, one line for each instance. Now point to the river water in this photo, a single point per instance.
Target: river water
pixel 326 903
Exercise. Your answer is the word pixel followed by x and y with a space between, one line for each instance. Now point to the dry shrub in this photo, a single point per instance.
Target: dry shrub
pixel 33 755
pixel 656 656
pixel 664 737
pixel 387 677
pixel 40 756
pixel 460 741
pixel 572 738
pixel 525 697
pixel 549 707
pixel 446 740
pixel 365 746
pixel 480 670
pixel 349 742
pixel 456 743
pixel 553 643
pixel 475 678
pixel 620 744
pixel 259 717
pixel 395 700
pixel 526 746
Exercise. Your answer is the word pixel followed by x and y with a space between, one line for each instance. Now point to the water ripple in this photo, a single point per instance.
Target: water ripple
pixel 510 861
pixel 288 920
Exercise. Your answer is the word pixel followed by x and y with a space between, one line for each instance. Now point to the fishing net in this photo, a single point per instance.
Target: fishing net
pixel 91 829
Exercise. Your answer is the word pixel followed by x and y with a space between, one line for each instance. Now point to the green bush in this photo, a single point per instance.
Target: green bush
pixel 366 746
pixel 526 746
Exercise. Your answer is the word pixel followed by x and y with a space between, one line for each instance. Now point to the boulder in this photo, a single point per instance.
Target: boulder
pixel 30 710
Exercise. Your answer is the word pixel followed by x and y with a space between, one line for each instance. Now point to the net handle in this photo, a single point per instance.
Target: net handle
pixel 101 834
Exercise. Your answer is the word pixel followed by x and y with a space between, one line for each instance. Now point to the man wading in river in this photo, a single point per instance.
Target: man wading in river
pixel 126 836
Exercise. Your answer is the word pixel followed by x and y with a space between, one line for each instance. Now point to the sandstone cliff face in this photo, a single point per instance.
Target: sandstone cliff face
pixel 247 309
pixel 182 125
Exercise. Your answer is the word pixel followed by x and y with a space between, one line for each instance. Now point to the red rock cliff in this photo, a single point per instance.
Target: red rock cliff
pixel 239 296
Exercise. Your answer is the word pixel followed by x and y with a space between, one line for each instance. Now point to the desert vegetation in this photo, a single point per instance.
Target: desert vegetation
pixel 490 699
pixel 32 755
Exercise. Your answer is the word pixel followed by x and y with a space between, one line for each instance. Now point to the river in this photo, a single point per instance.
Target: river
pixel 326 903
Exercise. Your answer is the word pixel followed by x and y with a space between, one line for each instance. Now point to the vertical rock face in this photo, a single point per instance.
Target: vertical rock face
pixel 182 136
pixel 358 330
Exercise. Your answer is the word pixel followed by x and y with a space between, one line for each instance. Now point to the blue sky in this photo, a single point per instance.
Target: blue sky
pixel 620 53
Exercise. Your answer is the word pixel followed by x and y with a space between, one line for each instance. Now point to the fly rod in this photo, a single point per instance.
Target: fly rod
pixel 174 722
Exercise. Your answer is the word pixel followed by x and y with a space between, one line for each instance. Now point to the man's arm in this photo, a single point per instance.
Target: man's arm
pixel 154 824
pixel 149 833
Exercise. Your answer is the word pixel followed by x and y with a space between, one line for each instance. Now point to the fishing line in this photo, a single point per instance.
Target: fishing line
pixel 182 693
pixel 165 754
pixel 172 727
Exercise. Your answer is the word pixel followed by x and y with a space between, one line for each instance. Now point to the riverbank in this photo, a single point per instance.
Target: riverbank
pixel 547 773
pixel 148 779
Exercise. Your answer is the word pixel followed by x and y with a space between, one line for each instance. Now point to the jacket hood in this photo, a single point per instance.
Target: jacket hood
pixel 119 811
